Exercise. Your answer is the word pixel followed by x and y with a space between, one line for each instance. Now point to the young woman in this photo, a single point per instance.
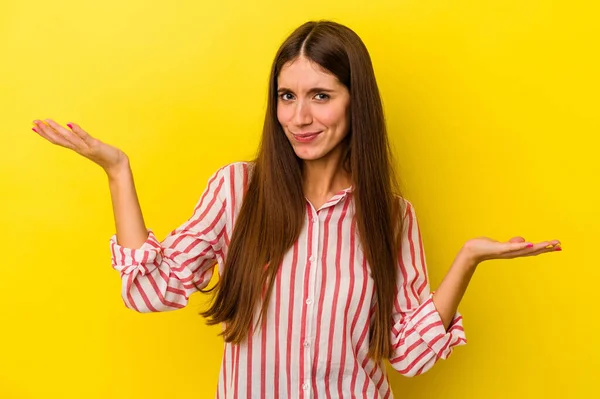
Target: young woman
pixel 322 273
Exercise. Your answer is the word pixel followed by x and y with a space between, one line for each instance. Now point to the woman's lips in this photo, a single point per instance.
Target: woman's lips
pixel 306 137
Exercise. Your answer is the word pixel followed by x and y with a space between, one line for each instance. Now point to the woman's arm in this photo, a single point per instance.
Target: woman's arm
pixel 452 288
pixel 129 222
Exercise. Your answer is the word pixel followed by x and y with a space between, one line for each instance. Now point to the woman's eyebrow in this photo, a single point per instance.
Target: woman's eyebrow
pixel 311 91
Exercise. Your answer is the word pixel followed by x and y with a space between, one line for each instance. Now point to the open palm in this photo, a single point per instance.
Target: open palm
pixel 79 141
pixel 484 248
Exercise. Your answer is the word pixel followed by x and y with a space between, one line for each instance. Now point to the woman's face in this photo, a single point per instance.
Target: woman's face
pixel 312 108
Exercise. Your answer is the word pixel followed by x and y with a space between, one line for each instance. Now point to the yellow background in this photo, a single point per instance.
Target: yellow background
pixel 493 111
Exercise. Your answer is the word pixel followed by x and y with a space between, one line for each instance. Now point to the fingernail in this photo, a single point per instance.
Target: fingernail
pixel 529 245
pixel 34 129
pixel 70 126
pixel 558 249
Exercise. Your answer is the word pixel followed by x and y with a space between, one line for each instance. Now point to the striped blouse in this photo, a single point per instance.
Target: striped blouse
pixel 315 339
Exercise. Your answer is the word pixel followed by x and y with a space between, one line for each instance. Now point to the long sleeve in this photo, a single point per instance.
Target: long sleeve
pixel 419 339
pixel 160 276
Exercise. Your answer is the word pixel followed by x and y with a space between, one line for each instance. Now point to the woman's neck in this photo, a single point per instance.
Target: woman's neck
pixel 322 178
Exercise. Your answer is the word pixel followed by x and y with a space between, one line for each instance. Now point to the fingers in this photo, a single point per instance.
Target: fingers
pixel 51 135
pixel 544 251
pixel 68 135
pixel 80 132
pixel 546 245
pixel 530 249
pixel 518 243
pixel 517 246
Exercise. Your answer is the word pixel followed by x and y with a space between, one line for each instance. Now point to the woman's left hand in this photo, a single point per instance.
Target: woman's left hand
pixel 482 248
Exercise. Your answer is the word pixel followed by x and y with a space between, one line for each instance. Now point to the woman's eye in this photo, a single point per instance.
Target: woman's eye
pixel 286 96
pixel 322 96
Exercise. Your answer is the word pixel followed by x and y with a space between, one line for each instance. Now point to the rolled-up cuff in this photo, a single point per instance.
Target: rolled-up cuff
pixel 144 259
pixel 430 327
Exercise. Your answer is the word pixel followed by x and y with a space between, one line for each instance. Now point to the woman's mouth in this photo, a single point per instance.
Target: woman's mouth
pixel 306 137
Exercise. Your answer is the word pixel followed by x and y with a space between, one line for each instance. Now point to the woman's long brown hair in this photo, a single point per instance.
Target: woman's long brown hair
pixel 274 206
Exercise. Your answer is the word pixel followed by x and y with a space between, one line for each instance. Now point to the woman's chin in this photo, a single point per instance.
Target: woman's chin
pixel 308 155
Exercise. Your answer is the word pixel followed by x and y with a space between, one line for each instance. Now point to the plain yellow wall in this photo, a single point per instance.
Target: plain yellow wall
pixel 493 111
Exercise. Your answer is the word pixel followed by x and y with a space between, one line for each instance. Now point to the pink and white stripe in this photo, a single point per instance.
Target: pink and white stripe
pixel 314 341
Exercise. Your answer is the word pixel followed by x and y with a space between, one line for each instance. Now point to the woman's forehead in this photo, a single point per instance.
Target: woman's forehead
pixel 304 74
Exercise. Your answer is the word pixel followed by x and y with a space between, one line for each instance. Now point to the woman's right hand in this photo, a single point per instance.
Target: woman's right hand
pixel 110 158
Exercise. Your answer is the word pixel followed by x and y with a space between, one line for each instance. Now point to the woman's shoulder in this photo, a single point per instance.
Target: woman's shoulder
pixel 232 178
pixel 234 170
pixel 406 207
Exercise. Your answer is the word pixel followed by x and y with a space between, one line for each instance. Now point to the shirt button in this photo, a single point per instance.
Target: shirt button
pixel 312 258
pixel 308 301
pixel 305 386
pixel 306 344
pixel 314 220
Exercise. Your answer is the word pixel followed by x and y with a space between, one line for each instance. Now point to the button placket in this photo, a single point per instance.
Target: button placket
pixel 313 248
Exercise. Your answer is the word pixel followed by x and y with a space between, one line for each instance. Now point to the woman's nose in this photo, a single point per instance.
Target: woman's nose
pixel 302 114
